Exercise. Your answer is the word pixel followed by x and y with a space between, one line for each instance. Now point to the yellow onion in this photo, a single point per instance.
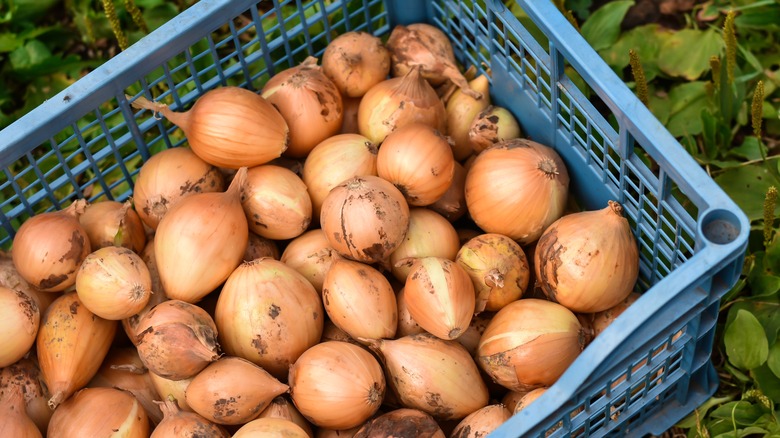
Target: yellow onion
pixel 429 234
pixel 183 424
pixel 130 324
pixel 276 202
pixel 482 422
pixel 259 247
pixel 323 432
pixel 72 343
pixel 14 420
pixel 334 160
pixel 470 339
pixel 599 321
pixel 26 377
pixel 588 261
pixel 123 369
pixel 310 103
pixel 492 125
pixel 270 427
pixel 355 61
pixel 94 412
pixel 406 324
pixel 168 176
pixel 461 110
pixel 439 296
pixel 427 47
pixel 452 204
pixel 331 332
pixel 112 223
pixel 402 422
pixel 269 314
pixel 10 278
pixel 529 344
pixel 19 322
pixel 517 188
pixel 435 376
pixel 168 388
pixel 49 248
pixel 512 398
pixel 114 283
pixel 397 102
pixel 232 391
pixel 337 385
pixel 311 255
pixel 360 300
pixel 176 340
pixel 280 407
pixel 418 160
pixel 529 398
pixel 365 218
pixel 228 126
pixel 350 123
pixel 498 269
pixel 200 241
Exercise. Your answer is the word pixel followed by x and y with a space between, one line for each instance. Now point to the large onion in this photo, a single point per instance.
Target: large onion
pixel 337 385
pixel 482 422
pixel 529 344
pixel 403 422
pixel 183 424
pixel 112 223
pixel 14 421
pixel 270 427
pixel 276 202
pixel 588 261
pixel 429 234
pixel 26 375
pixel 49 248
pixel 269 314
pixel 19 321
pixel 120 415
pixel 365 218
pixel 517 188
pixel 355 61
pixel 10 278
pixel 310 103
pixel 229 127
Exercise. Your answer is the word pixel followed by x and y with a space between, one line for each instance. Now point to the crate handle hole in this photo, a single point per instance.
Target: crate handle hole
pixel 720 226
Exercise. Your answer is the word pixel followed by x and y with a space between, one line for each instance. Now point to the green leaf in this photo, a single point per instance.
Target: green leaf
pixel 9 42
pixel 767 381
pixel 747 185
pixel 661 107
pixel 692 419
pixel 750 149
pixel 687 53
pixel 602 28
pixel 746 344
pixel 766 18
pixel 765 285
pixel 773 361
pixel 31 54
pixel 646 41
pixel 741 412
pixel 688 100
pixel 766 310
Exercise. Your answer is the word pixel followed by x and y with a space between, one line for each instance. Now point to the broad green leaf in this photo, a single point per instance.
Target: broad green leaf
pixel 743 413
pixel 765 285
pixel 31 54
pixel 747 185
pixel 691 420
pixel 661 107
pixel 646 41
pixel 687 101
pixel 767 381
pixel 746 344
pixel 602 28
pixel 765 18
pixel 750 149
pixel 580 7
pixel 9 42
pixel 766 310
pixel 773 361
pixel 687 53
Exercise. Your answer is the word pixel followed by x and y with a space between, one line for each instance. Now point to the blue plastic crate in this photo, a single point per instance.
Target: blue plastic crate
pixel 643 374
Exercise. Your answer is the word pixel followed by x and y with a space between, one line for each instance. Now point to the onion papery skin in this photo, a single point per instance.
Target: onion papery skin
pixel 365 218
pixel 435 376
pixel 49 247
pixel 599 321
pixel 402 422
pixel 14 421
pixel 588 261
pixel 418 160
pixel 452 204
pixel 259 247
pixel 10 278
pixel 24 376
pixel 20 318
pixel 121 415
pixel 529 344
pixel 269 314
pixel 429 235
pixel 276 427
pixel 311 255
pixel 282 407
pixel 355 61
pixel 112 223
pixel 72 343
pixel 492 125
pixel 276 202
pixel 517 188
pixel 482 422
pixel 337 385
pixel 309 102
pixel 461 110
pixel 183 424
pixel 172 388
pixel 406 324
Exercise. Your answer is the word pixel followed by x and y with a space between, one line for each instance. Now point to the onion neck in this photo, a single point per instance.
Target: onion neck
pixel 77 208
pixel 548 168
pixel 616 208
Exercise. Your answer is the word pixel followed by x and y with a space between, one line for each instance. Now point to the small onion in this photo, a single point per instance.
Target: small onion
pixel 232 391
pixel 112 223
pixel 276 202
pixel 452 204
pixel 337 385
pixel 310 103
pixel 323 432
pixel 331 332
pixel 19 322
pixel 403 422
pixel 311 255
pixel 435 376
pixel 168 388
pixel 397 102
pixel 259 247
pixel 355 61
pixel 157 296
pixel 14 421
pixel 418 160
pixel 461 110
pixel 429 234
pixel 26 377
pixel 588 261
pixel 334 160
pixel 114 283
pixel 10 278
pixel 280 407
pixel 365 218
pixel 49 248
pixel 529 344
pixel 498 269
pixel 529 398
pixel 470 339
pixel 168 176
pixel 270 427
pixel 599 321
pixel 360 300
pixel 492 125
pixel 229 127
pixel 512 398
pixel 120 415
pixel 439 296
pixel 482 422
pixel 406 324
pixel 183 424
pixel 176 340
pixel 269 314
pixel 517 188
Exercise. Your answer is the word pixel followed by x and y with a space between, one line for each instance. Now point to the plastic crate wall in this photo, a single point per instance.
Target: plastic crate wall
pixel 644 373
